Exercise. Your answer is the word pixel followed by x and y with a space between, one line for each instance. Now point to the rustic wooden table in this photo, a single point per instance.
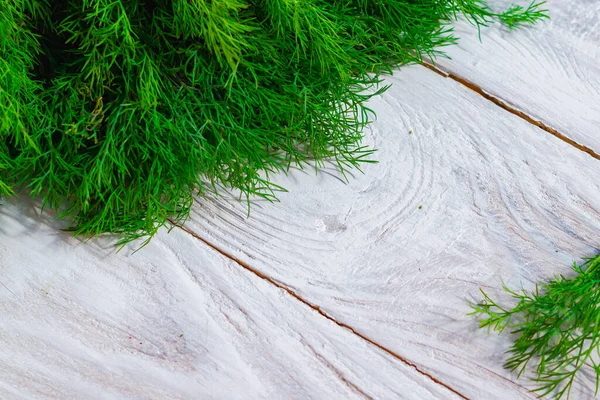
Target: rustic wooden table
pixel 354 289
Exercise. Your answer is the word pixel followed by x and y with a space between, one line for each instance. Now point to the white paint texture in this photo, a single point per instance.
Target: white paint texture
pixel 500 198
pixel 549 71
pixel 175 320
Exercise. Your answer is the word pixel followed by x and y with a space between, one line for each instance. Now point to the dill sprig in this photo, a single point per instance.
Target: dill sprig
pixel 557 328
pixel 117 112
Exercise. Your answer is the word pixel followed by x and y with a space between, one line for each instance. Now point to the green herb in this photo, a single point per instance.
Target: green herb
pixel 557 328
pixel 118 112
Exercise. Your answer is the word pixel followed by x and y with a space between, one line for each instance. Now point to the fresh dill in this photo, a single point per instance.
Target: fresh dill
pixel 118 112
pixel 557 328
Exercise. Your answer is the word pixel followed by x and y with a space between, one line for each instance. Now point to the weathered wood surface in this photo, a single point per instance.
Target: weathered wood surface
pixel 176 320
pixel 474 195
pixel 342 290
pixel 549 71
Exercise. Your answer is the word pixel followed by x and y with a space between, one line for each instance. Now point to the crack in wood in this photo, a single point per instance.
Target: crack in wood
pixel 320 311
pixel 505 106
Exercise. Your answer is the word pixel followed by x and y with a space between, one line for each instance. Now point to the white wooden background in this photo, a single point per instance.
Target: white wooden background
pixel 342 290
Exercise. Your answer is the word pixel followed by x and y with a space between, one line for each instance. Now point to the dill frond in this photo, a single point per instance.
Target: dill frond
pixel 557 328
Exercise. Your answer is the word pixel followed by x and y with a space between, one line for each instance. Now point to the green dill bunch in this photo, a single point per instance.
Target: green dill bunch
pixel 118 112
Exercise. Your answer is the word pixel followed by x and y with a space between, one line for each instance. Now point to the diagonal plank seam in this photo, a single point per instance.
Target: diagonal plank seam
pixel 320 311
pixel 505 106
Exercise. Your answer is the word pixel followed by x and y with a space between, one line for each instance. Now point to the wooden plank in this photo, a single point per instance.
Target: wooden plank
pixel 175 320
pixel 472 195
pixel 549 71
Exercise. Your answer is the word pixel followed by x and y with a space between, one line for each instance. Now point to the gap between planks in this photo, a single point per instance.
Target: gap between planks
pixel 318 309
pixel 505 106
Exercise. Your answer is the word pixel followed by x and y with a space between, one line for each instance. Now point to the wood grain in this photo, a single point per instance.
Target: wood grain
pixel 549 71
pixel 175 320
pixel 472 196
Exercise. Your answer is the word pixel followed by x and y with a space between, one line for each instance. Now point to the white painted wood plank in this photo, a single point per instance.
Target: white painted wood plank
pixel 175 320
pixel 473 195
pixel 550 71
